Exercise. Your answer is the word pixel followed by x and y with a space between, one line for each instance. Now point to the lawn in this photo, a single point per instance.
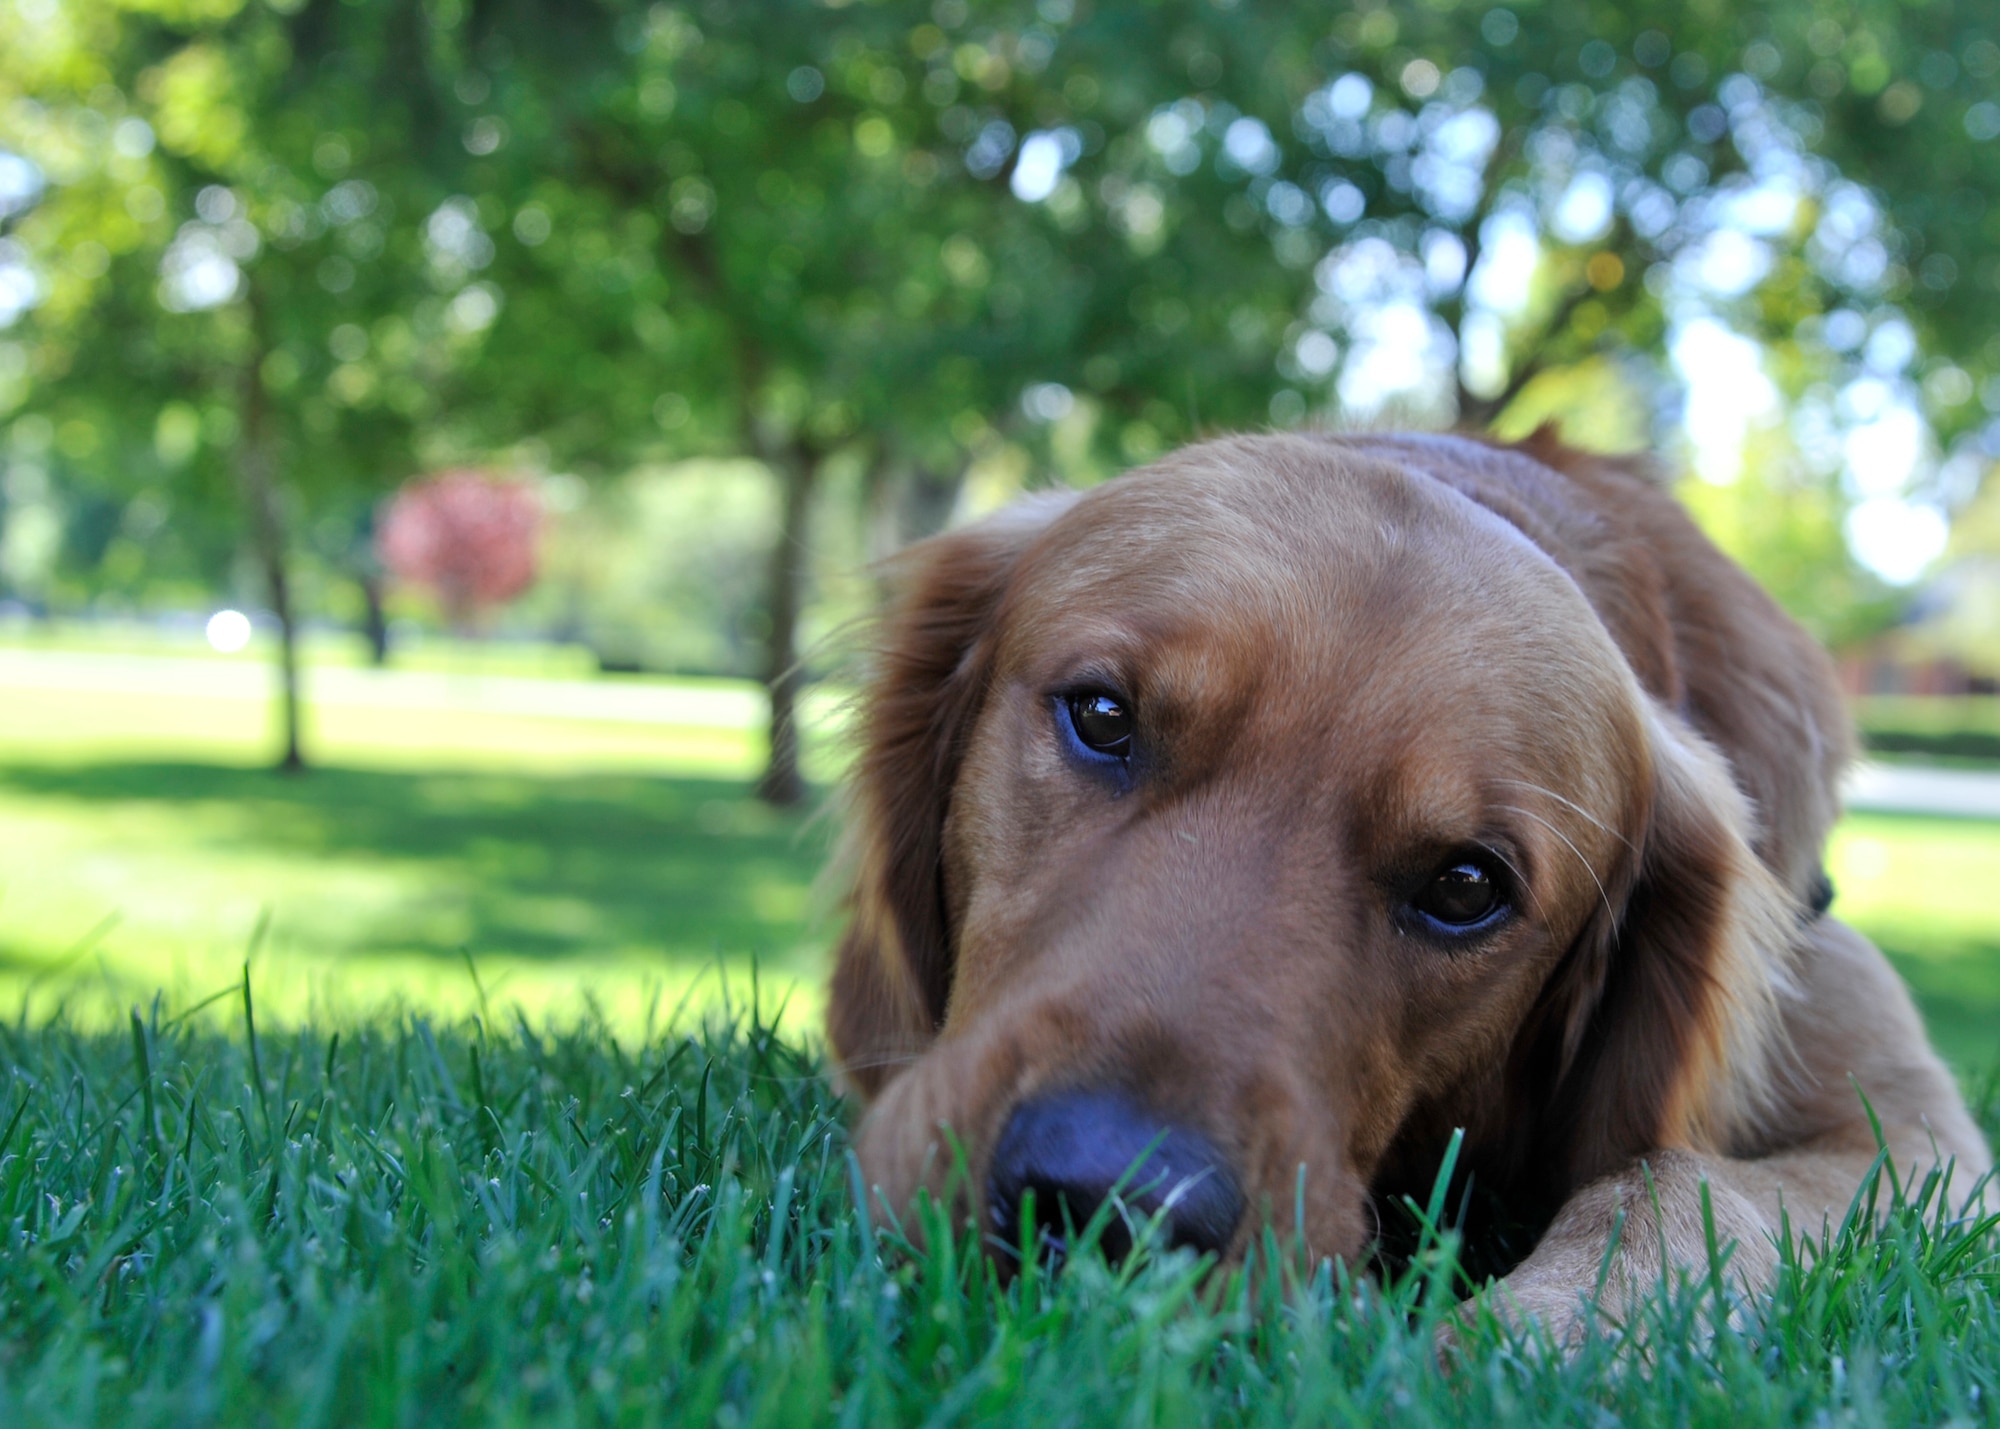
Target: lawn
pixel 1928 892
pixel 450 848
pixel 372 885
pixel 485 1223
pixel 480 1145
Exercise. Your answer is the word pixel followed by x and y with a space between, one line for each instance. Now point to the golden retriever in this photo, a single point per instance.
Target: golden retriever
pixel 1275 810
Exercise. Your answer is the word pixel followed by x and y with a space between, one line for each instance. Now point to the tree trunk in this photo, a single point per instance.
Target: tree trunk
pixel 796 465
pixel 783 784
pixel 906 502
pixel 267 532
pixel 375 620
pixel 277 578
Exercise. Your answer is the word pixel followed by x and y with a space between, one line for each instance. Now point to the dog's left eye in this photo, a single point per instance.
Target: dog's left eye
pixel 1460 897
pixel 1103 723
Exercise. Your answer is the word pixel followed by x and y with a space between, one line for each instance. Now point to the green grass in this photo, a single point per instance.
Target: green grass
pixel 218 709
pixel 1927 890
pixel 482 1223
pixel 144 844
pixel 374 885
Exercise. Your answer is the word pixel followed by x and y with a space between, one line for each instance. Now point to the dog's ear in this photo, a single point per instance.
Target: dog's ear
pixel 1665 1012
pixel 933 660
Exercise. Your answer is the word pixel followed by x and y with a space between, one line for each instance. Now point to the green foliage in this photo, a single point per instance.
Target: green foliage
pixel 916 236
pixel 493 1223
pixel 1778 523
pixel 216 275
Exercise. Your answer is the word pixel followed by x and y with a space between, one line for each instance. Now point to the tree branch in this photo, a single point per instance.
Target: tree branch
pixel 1482 412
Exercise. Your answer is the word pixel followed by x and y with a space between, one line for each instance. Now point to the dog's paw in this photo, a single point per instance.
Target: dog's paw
pixel 1549 1318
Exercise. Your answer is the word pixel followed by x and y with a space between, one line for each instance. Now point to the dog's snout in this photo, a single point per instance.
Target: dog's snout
pixel 1076 1150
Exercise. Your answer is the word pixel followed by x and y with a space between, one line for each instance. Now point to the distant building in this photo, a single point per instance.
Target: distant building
pixel 1947 642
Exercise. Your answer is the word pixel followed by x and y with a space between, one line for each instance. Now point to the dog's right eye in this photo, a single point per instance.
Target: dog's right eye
pixel 1103 723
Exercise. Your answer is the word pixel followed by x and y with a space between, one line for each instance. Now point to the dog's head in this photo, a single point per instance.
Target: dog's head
pixel 1274 811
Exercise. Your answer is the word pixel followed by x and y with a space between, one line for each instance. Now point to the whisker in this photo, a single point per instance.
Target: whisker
pixel 1569 803
pixel 867 1064
pixel 1521 881
pixel 1603 897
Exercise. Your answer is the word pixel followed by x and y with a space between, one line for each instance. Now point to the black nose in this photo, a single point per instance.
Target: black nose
pixel 1074 1149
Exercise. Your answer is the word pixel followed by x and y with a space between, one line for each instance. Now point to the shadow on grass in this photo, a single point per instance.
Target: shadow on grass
pixel 542 866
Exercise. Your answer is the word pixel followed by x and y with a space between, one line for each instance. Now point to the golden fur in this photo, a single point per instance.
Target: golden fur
pixel 1349 656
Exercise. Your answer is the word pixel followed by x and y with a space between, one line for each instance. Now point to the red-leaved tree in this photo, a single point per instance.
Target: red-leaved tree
pixel 469 536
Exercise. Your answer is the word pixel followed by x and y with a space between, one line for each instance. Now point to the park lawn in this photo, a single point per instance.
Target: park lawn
pixel 1927 890
pixel 436 858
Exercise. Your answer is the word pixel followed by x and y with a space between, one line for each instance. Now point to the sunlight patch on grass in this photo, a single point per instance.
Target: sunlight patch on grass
pixel 1927 890
pixel 626 994
pixel 87 724
pixel 1938 875
pixel 57 704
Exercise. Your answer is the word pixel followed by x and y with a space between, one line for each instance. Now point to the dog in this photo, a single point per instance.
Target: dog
pixel 1278 811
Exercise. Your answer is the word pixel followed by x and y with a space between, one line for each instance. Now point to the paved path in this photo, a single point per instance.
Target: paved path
pixel 1919 789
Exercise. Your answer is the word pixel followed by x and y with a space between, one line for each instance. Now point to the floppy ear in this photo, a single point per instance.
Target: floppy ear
pixel 1667 1011
pixel 933 660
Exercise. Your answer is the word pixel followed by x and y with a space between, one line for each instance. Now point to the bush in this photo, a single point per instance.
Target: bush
pixel 1956 728
pixel 665 570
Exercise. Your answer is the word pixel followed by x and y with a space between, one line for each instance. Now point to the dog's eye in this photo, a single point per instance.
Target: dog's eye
pixel 1102 722
pixel 1460 896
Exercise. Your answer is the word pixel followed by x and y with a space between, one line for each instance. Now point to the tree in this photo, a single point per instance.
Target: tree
pixel 236 325
pixel 467 535
pixel 912 237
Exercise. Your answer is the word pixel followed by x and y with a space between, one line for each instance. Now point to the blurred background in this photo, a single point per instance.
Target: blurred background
pixel 439 441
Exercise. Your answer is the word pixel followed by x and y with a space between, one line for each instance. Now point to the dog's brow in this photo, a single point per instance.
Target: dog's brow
pixel 1603 897
pixel 1569 803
